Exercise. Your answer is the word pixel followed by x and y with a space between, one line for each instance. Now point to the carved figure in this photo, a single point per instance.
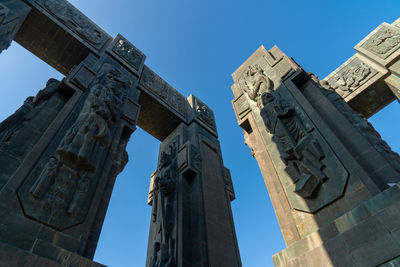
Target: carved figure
pixel 64 185
pixel 164 187
pixel 300 151
pixel 256 83
pixel 129 53
pixel 351 78
pixel 91 132
pixel 205 114
pixel 30 111
pixel 383 41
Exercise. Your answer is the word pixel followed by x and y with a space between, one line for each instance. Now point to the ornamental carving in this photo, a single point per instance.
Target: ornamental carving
pixel 299 150
pixel 364 127
pixel 351 77
pixel 128 52
pixel 21 131
pixel 382 42
pixel 163 90
pixel 256 82
pixel 204 113
pixel 62 192
pixel 76 21
pixel 164 204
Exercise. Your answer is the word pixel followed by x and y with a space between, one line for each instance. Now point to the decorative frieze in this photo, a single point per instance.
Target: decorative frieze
pixel 383 42
pixel 351 76
pixel 76 21
pixel 156 85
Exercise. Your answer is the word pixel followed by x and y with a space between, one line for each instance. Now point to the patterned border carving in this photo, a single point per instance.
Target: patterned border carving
pixel 162 89
pixel 76 21
pixel 384 42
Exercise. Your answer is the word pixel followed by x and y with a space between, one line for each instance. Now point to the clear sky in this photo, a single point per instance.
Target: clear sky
pixel 196 46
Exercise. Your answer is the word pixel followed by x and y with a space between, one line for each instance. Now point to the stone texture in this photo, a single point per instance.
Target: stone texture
pixel 304 136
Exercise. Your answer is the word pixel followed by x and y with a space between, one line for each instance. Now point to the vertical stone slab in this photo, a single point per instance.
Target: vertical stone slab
pixel 190 194
pixel 12 15
pixel 319 158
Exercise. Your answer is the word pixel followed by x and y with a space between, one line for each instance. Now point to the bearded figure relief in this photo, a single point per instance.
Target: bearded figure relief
pixel 65 185
pixel 256 83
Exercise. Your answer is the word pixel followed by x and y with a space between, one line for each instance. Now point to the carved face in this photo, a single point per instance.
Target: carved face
pixel 256 83
pixel 165 159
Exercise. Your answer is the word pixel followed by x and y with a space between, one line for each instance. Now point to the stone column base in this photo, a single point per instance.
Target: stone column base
pixel 368 235
pixel 14 257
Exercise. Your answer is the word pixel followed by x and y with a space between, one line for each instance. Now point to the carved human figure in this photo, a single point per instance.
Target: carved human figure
pixel 31 112
pixel 205 114
pixel 351 79
pixel 162 213
pixel 384 41
pixel 300 151
pixel 256 83
pixel 45 179
pixel 64 185
pixel 90 134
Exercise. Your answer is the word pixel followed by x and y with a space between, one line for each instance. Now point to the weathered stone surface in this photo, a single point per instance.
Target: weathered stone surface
pixel 383 42
pixel 128 53
pixel 22 130
pixel 12 15
pixel 76 21
pixel 58 181
pixel 327 170
pixel 351 76
pixel 188 191
pixel 156 85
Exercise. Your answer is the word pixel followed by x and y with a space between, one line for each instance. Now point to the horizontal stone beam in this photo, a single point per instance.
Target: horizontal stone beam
pixel 62 36
pixel 370 79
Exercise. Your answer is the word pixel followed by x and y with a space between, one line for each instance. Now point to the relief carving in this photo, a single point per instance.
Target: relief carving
pixel 161 88
pixel 128 53
pixel 299 150
pixel 20 131
pixel 362 124
pixel 256 83
pixel 7 32
pixel 76 21
pixel 65 185
pixel 204 113
pixel 382 42
pixel 350 77
pixel 163 212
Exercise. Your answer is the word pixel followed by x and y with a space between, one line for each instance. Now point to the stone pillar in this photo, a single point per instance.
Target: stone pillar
pixel 333 182
pixel 370 79
pixel 190 194
pixel 60 155
pixel 12 15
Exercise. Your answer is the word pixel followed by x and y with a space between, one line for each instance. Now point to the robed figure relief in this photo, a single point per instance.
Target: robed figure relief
pixel 65 185
pixel 300 151
pixel 164 210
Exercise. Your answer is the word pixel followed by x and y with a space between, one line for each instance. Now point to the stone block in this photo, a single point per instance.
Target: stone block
pixel 364 233
pixel 376 251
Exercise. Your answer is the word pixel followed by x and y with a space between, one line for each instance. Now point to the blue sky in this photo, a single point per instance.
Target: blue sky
pixel 196 46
